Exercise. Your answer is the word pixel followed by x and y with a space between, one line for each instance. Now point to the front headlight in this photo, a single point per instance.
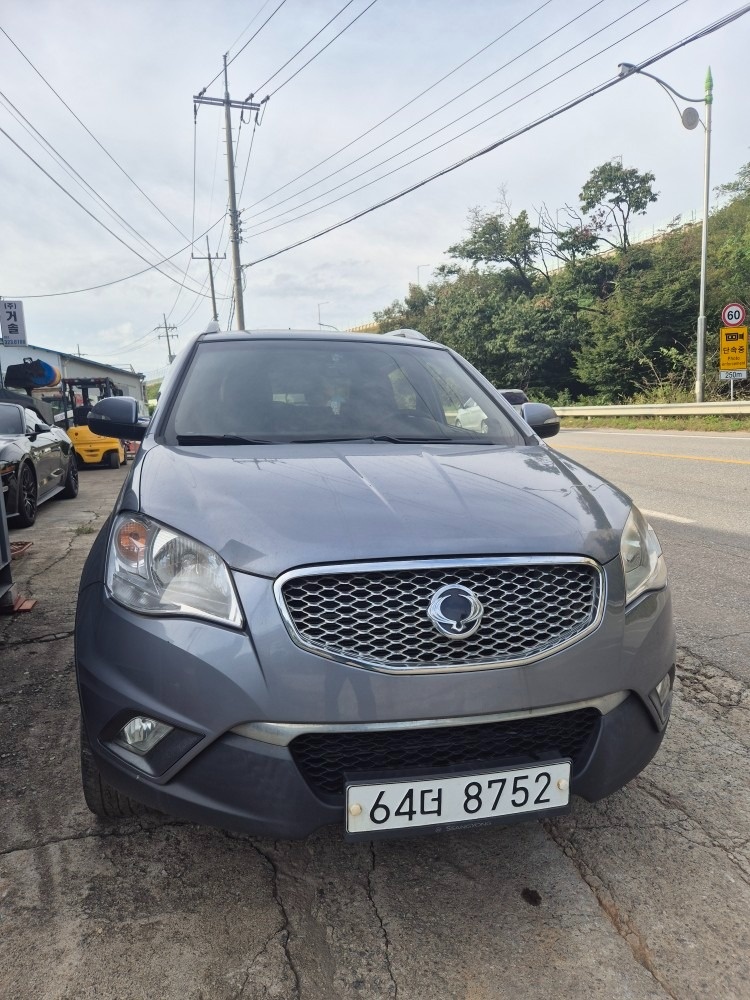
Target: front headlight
pixel 641 556
pixel 158 571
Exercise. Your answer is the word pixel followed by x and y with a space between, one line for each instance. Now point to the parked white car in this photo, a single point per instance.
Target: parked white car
pixel 471 416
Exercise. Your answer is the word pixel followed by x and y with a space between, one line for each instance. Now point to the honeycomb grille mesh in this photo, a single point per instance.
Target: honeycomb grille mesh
pixel 381 617
pixel 324 758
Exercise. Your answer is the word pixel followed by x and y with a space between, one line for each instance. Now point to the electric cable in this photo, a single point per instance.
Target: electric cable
pixel 249 25
pixel 117 281
pixel 265 83
pixel 569 105
pixel 126 347
pixel 86 210
pixel 321 51
pixel 74 174
pixel 91 134
pixel 242 49
pixel 249 154
pixel 404 106
pixel 444 105
pixel 471 128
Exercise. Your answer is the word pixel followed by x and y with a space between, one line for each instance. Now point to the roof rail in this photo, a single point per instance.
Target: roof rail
pixel 407 333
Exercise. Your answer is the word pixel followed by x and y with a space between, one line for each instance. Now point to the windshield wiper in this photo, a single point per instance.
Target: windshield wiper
pixel 218 439
pixel 428 440
pixel 392 439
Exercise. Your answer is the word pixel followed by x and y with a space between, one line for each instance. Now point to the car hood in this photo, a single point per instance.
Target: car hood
pixel 269 508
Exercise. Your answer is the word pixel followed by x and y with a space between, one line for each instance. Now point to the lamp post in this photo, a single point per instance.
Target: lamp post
pixel 690 119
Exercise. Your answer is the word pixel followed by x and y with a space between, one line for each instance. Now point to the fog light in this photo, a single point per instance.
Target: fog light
pixel 664 687
pixel 142 733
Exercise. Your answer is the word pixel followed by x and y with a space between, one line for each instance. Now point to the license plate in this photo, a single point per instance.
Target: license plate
pixel 457 799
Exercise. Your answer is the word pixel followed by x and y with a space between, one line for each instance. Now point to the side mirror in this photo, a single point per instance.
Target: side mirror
pixel 41 428
pixel 541 418
pixel 117 417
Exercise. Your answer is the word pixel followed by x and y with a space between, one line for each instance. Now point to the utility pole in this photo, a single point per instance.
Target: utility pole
pixel 166 334
pixel 700 364
pixel 234 221
pixel 211 273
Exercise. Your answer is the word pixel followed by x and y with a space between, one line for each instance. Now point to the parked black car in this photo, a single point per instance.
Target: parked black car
pixel 37 461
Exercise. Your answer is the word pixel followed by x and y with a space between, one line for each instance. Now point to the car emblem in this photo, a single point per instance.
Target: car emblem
pixel 455 611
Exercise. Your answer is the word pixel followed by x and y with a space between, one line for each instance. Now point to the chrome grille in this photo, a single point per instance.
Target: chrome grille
pixel 377 615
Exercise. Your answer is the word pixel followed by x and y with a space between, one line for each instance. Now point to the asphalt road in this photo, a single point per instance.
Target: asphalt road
pixel 696 490
pixel 643 895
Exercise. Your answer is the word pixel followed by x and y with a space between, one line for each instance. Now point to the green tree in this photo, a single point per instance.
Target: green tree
pixel 498 238
pixel 613 326
pixel 613 194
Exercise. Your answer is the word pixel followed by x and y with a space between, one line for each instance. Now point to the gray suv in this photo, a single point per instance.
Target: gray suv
pixel 318 600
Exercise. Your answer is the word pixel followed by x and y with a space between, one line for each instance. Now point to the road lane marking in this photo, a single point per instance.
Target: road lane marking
pixel 659 454
pixel 667 517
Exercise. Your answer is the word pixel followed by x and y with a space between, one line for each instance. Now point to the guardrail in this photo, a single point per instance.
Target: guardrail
pixel 731 409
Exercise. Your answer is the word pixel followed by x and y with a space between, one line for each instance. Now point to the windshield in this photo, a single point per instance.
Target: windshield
pixel 11 421
pixel 268 391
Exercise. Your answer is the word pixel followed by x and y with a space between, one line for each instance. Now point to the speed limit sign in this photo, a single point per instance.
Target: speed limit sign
pixel 733 314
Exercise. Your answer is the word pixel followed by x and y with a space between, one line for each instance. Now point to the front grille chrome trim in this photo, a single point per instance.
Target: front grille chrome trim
pixel 282 733
pixel 342 569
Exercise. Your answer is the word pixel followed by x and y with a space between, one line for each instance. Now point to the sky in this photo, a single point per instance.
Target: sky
pixel 155 174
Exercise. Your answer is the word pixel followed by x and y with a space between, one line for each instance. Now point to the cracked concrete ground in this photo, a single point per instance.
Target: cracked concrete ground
pixel 645 895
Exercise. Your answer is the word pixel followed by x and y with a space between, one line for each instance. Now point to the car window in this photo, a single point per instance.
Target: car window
pixel 32 419
pixel 515 396
pixel 296 390
pixel 10 419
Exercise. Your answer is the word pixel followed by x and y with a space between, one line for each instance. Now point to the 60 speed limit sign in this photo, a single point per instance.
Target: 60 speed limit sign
pixel 733 314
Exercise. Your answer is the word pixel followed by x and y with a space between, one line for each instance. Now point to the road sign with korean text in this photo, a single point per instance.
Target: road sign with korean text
pixel 12 323
pixel 733 352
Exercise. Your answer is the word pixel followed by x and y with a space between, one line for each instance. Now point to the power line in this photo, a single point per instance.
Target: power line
pixel 442 107
pixel 117 281
pixel 86 210
pixel 569 105
pixel 249 154
pixel 471 128
pixel 91 134
pixel 321 51
pixel 250 23
pixel 242 49
pixel 265 83
pixel 404 106
pixel 139 342
pixel 78 178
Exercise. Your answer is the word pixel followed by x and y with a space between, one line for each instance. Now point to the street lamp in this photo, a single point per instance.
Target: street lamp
pixel 690 119
pixel 328 325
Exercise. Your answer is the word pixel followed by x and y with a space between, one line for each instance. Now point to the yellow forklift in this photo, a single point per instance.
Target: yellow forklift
pixel 90 448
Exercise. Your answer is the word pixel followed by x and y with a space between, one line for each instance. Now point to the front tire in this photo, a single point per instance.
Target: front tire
pixel 70 487
pixel 27 496
pixel 102 799
pixel 113 459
